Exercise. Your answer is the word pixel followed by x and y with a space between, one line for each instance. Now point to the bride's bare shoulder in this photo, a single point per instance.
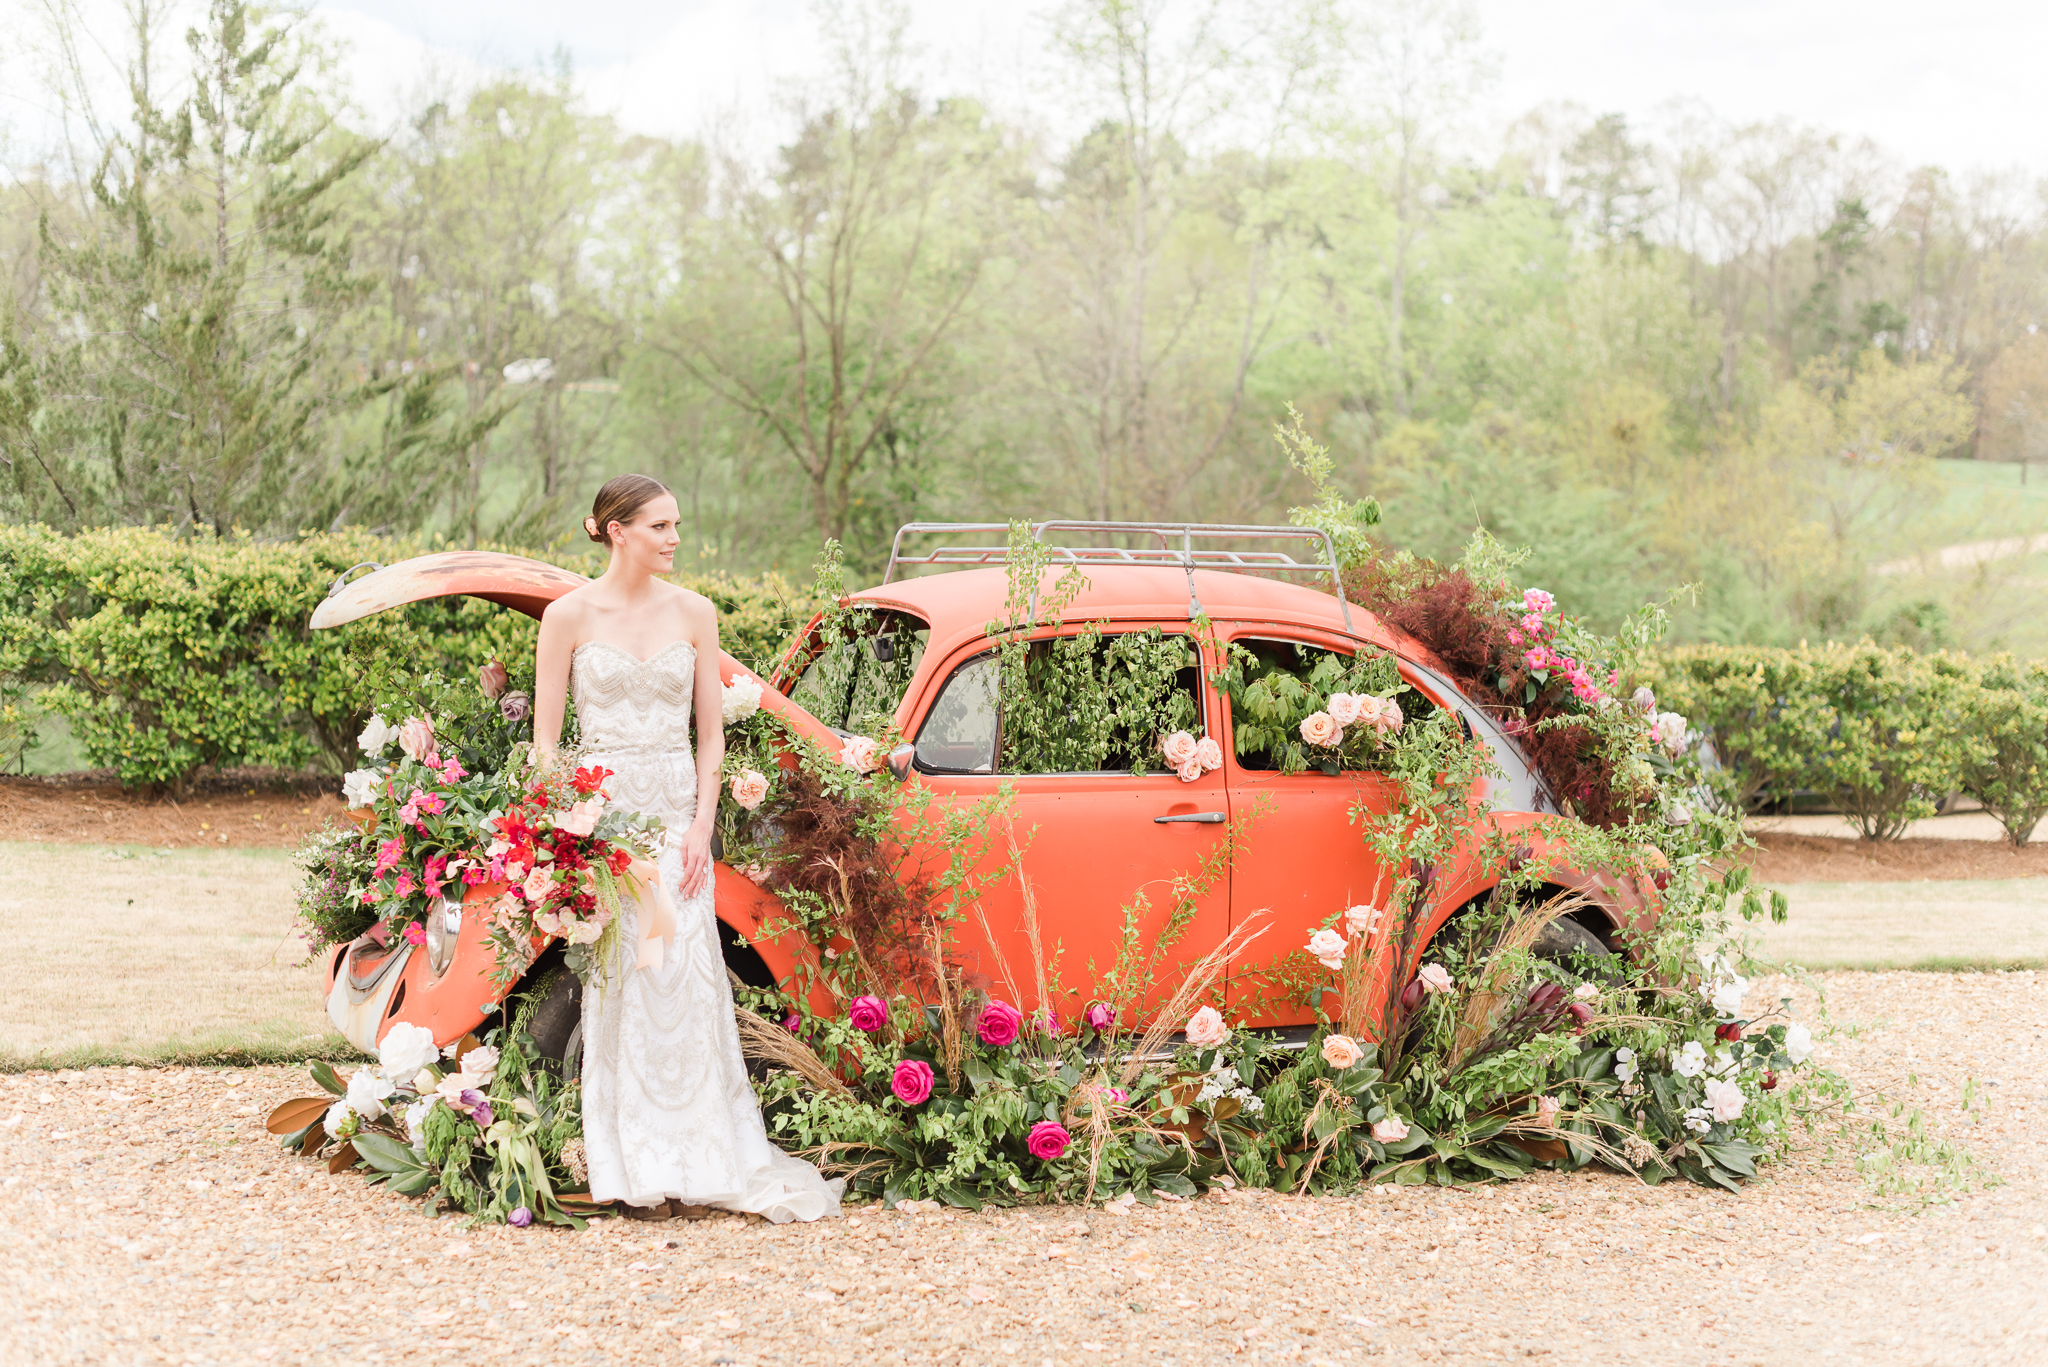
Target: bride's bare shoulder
pixel 697 610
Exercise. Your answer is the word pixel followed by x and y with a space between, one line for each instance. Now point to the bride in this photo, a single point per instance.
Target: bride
pixel 669 1118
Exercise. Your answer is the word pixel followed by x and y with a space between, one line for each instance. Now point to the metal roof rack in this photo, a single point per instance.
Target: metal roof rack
pixel 1186 556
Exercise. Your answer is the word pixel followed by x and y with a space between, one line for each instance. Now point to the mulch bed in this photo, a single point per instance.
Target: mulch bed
pixel 1783 858
pixel 239 809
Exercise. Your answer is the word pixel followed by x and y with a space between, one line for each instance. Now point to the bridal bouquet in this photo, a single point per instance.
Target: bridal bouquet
pixel 565 851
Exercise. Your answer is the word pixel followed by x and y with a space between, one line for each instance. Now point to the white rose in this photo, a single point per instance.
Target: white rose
pixel 740 699
pixel 1724 1100
pixel 416 1120
pixel 1678 814
pixel 377 734
pixel 1328 948
pixel 1727 996
pixel 366 1093
pixel 1362 919
pixel 1799 1044
pixel 481 1062
pixel 1724 1063
pixel 1673 730
pixel 405 1050
pixel 360 788
pixel 337 1115
pixel 1690 1061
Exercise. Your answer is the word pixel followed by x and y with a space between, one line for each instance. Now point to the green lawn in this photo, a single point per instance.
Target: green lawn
pixel 139 956
pixel 1929 925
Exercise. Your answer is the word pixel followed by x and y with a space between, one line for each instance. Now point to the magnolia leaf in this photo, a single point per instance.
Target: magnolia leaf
pixel 324 1074
pixel 344 1158
pixel 388 1155
pixel 296 1114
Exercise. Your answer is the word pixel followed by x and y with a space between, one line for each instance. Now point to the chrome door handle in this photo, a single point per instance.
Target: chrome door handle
pixel 1205 818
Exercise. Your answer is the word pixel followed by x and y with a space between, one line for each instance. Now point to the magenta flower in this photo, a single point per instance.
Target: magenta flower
pixel 1100 1016
pixel 1048 1140
pixel 520 1217
pixel 999 1024
pixel 414 935
pixel 868 1014
pixel 479 1108
pixel 406 887
pixel 912 1081
pixel 388 855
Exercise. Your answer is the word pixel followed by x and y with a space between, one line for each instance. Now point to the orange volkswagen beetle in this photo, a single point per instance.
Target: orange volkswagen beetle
pixel 1097 836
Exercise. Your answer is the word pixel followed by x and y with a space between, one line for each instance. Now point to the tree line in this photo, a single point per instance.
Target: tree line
pixel 1735 357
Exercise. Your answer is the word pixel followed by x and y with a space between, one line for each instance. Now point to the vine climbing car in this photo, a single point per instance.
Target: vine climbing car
pixel 1115 635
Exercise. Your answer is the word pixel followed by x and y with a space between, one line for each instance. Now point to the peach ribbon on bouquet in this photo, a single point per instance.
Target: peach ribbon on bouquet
pixel 657 914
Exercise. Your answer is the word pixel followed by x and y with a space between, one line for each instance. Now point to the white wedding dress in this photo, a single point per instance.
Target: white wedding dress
pixel 668 1112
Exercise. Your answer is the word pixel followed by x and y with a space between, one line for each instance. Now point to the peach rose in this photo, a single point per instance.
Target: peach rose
pixel 492 679
pixel 1546 1110
pixel 1208 753
pixel 538 884
pixel 1344 708
pixel 1327 947
pixel 1389 719
pixel 1341 1051
pixel 1434 978
pixel 749 787
pixel 861 754
pixel 1392 1130
pixel 1179 748
pixel 416 737
pixel 1362 919
pixel 1206 1028
pixel 1191 771
pixel 1320 728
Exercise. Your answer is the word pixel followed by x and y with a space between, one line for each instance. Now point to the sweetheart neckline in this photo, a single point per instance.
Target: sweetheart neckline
pixel 672 645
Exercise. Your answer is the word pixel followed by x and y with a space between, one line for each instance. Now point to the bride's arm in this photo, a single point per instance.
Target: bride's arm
pixel 710 748
pixel 551 676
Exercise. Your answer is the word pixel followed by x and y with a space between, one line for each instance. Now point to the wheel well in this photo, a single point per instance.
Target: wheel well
pixel 1592 917
pixel 743 959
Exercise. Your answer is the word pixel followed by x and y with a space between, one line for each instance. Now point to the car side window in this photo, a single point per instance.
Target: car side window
pixel 854 682
pixel 1273 683
pixel 1092 702
pixel 959 733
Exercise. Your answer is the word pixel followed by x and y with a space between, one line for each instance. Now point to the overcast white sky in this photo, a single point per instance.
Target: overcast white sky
pixel 1958 83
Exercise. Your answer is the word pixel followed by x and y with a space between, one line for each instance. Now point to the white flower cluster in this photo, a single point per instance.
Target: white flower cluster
pixel 1222 1083
pixel 359 788
pixel 740 699
pixel 404 1059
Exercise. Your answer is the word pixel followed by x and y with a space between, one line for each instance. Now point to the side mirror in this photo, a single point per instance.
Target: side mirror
pixel 899 760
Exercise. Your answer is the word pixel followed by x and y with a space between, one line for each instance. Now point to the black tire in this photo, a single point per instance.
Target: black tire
pixel 1573 946
pixel 557 1021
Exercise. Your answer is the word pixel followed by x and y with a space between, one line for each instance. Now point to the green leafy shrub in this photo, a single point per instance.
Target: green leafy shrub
pixel 2006 763
pixel 1881 733
pixel 169 655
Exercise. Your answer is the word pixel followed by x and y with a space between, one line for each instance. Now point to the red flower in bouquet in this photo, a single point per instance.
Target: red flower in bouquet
pixel 591 779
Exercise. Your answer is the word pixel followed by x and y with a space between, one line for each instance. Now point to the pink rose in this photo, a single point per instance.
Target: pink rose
pixel 1392 1130
pixel 1362 920
pixel 1099 1016
pixel 1208 753
pixel 538 885
pixel 1320 728
pixel 1048 1140
pixel 1327 948
pixel 1389 719
pixel 912 1081
pixel 1547 1109
pixel 1206 1028
pixel 1341 1051
pixel 1178 748
pixel 581 819
pixel 1434 978
pixel 1724 1100
pixel 999 1024
pixel 416 737
pixel 749 787
pixel 1344 708
pixel 861 754
pixel 868 1014
pixel 1191 771
pixel 492 679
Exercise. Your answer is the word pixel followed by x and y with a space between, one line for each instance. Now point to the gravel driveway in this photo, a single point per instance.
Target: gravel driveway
pixel 151 1220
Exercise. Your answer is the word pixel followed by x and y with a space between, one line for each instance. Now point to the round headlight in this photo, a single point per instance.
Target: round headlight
pixel 444 926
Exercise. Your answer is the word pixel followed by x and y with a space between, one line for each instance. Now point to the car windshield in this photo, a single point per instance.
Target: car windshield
pixel 862 663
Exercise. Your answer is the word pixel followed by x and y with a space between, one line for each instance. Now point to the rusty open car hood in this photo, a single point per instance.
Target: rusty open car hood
pixel 524 585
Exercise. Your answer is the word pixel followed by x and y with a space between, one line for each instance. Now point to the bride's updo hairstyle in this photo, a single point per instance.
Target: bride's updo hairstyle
pixel 618 501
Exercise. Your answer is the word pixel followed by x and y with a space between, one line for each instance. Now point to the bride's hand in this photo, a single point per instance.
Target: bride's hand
pixel 696 847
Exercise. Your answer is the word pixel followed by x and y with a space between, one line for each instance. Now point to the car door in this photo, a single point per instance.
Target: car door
pixel 1303 859
pixel 1101 848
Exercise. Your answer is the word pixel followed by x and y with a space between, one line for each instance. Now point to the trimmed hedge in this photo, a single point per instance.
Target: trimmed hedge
pixel 1884 734
pixel 172 655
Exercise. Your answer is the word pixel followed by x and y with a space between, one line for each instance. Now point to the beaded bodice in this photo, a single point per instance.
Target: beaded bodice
pixel 633 717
